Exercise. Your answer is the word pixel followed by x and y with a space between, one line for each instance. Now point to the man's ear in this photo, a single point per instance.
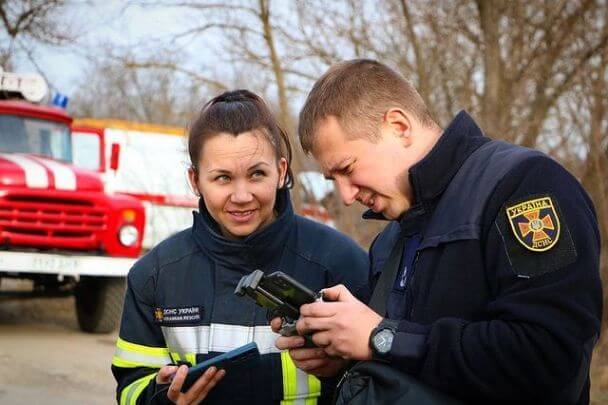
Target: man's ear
pixel 282 166
pixel 399 123
pixel 192 179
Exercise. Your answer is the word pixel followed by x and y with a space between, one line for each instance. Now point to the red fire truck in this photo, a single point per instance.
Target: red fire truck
pixel 59 227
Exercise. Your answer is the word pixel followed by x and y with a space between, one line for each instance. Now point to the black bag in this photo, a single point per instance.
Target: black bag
pixel 374 382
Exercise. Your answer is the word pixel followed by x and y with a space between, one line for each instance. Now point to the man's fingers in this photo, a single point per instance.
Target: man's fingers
pixel 311 365
pixel 307 325
pixel 289 342
pixel 337 293
pixel 307 354
pixel 322 339
pixel 320 309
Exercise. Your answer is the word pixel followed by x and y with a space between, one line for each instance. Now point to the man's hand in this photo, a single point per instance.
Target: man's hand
pixel 199 390
pixel 312 360
pixel 341 326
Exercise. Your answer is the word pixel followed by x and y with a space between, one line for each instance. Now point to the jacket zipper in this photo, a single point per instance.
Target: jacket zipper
pixel 410 283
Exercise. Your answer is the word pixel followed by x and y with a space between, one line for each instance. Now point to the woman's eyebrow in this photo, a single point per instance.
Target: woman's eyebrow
pixel 223 171
pixel 255 166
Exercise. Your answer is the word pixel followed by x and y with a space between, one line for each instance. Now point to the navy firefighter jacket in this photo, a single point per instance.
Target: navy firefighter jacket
pixel 180 306
pixel 498 292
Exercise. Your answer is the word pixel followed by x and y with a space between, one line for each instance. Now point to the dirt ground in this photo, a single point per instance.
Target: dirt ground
pixel 45 359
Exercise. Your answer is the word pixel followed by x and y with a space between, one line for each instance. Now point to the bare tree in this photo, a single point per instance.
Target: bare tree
pixel 27 23
pixel 119 88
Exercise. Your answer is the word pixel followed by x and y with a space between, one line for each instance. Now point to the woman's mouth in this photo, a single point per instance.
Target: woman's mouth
pixel 242 216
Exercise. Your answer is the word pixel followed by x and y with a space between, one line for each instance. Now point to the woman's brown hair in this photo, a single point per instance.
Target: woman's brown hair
pixel 235 112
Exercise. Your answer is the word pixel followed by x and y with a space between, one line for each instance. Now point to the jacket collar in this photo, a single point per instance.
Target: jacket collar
pixel 430 177
pixel 255 249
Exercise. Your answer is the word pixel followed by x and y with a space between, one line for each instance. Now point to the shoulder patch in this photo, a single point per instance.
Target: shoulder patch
pixel 535 235
pixel 535 223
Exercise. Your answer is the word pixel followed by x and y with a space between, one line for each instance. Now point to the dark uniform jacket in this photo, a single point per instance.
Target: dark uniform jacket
pixel 498 292
pixel 180 306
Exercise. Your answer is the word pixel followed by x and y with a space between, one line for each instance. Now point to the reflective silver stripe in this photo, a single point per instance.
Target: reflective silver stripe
pixel 65 178
pixel 218 338
pixel 142 359
pixel 302 388
pixel 35 173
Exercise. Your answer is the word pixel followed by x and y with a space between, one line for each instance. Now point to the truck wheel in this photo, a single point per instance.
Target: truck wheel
pixel 99 303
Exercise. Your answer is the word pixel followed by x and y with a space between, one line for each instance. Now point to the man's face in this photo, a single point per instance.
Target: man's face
pixel 375 173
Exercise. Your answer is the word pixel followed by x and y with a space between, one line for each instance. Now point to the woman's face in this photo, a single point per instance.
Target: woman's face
pixel 238 178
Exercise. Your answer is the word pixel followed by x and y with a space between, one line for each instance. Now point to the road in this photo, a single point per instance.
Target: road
pixel 45 359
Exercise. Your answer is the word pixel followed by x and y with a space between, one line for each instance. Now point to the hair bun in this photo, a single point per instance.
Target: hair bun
pixel 235 95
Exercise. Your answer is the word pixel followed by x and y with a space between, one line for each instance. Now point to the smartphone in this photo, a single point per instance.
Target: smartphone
pixel 240 358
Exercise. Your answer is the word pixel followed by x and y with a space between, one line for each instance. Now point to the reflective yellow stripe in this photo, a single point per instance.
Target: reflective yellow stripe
pixel 191 358
pixel 176 357
pixel 131 392
pixel 129 354
pixel 290 387
pixel 298 387
pixel 150 351
pixel 314 390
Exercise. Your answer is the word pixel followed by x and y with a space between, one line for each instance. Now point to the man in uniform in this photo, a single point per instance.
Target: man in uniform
pixel 497 296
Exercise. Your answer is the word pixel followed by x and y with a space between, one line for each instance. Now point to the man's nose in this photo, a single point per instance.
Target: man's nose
pixel 347 190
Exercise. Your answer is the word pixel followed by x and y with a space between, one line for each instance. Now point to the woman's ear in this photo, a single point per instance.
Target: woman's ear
pixel 282 171
pixel 192 179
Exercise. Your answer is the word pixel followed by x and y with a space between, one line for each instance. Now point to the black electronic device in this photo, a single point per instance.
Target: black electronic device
pixel 280 294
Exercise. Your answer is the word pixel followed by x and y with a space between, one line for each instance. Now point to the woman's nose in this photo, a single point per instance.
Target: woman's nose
pixel 241 195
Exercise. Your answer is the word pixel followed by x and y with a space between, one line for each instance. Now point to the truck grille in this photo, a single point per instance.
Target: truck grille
pixel 53 223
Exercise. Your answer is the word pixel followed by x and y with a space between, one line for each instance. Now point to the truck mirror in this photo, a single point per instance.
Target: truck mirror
pixel 115 156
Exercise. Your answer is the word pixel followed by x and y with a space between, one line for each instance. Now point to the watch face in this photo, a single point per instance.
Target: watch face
pixel 383 341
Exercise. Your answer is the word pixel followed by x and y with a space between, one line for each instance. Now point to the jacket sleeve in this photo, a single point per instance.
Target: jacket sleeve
pixel 544 318
pixel 140 348
pixel 349 265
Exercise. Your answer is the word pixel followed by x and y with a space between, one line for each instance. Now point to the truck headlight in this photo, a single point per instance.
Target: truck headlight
pixel 127 235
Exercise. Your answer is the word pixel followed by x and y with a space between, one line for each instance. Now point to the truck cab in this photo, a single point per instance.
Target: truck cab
pixel 59 227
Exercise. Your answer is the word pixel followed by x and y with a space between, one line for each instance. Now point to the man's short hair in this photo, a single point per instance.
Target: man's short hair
pixel 358 93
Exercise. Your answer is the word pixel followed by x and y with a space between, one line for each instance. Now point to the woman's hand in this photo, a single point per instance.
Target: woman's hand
pixel 199 390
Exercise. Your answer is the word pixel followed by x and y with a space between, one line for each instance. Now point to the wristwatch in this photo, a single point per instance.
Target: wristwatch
pixel 381 339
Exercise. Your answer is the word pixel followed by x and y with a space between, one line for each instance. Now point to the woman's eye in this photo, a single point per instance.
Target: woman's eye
pixel 258 174
pixel 222 178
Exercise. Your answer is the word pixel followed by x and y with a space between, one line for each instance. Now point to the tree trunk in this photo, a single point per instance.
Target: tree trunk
pixel 492 109
pixel 284 113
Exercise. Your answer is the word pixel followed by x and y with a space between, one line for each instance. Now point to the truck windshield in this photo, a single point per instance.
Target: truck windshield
pixel 31 135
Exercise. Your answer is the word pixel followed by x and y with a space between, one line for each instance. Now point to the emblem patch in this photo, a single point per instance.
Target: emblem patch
pixel 535 224
pixel 176 316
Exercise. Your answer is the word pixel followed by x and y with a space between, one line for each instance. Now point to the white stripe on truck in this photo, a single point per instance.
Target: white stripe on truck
pixel 65 178
pixel 35 173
